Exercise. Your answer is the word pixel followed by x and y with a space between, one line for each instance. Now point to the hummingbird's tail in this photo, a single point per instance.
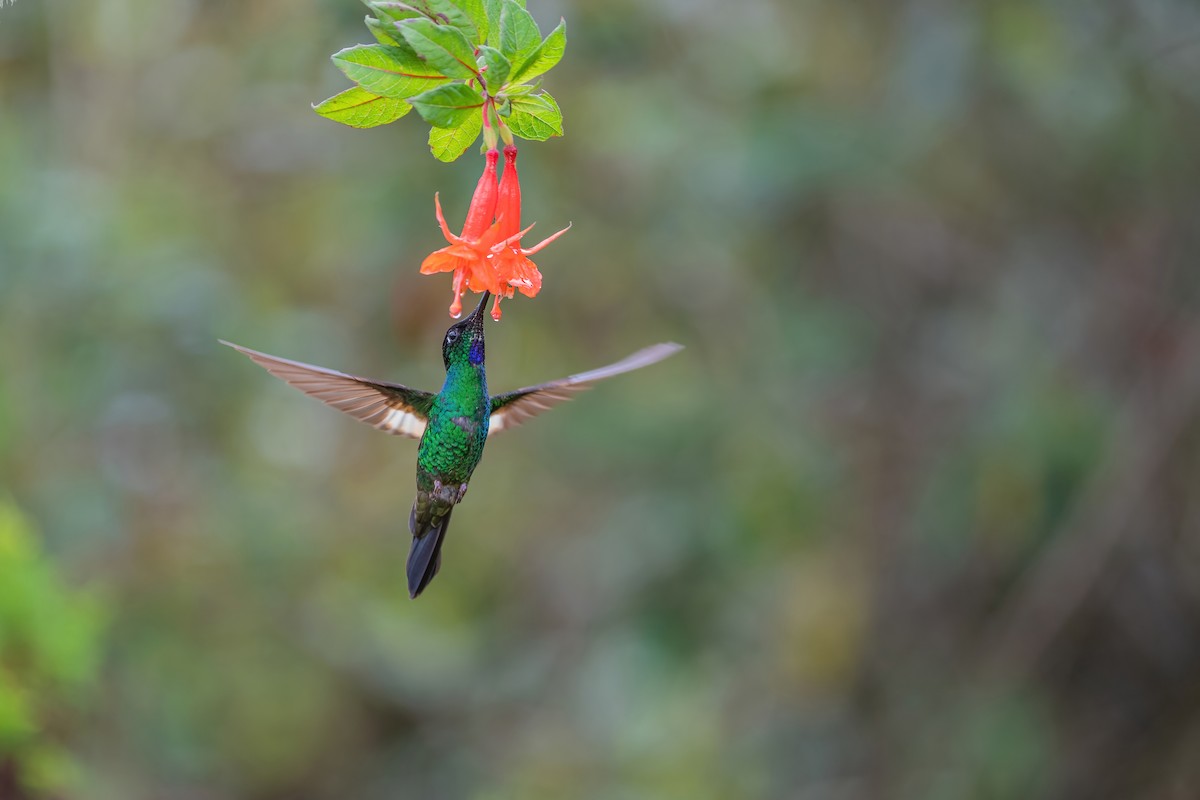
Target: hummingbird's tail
pixel 425 556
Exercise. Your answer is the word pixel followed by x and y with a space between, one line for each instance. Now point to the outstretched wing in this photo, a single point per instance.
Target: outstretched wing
pixel 387 406
pixel 511 409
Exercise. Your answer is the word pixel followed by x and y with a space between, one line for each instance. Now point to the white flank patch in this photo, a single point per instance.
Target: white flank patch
pixel 403 422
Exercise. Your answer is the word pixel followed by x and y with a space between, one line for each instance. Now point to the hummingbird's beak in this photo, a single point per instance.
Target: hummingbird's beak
pixel 476 316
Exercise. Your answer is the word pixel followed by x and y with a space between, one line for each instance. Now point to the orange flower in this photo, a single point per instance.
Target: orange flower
pixel 469 255
pixel 487 256
pixel 512 267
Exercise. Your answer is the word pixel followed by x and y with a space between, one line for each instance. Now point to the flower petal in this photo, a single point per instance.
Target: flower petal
pixel 441 218
pixel 531 250
pixel 518 272
pixel 440 261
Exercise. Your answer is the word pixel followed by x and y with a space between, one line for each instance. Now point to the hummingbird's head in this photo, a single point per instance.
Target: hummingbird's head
pixel 464 340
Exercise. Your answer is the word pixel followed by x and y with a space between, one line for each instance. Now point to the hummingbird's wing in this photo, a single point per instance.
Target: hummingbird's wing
pixel 511 409
pixel 387 406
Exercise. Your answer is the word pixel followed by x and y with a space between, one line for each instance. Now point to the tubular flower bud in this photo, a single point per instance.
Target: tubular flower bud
pixel 515 271
pixel 468 254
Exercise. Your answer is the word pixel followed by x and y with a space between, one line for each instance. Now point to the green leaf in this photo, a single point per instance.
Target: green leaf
pixel 469 16
pixel 522 89
pixel 358 108
pixel 385 33
pixel 519 34
pixel 448 106
pixel 492 7
pixel 544 56
pixel 478 13
pixel 447 144
pixel 536 117
pixel 497 68
pixel 391 10
pixel 387 71
pixel 442 47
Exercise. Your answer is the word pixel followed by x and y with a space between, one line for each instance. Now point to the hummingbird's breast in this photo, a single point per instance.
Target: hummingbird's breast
pixel 453 441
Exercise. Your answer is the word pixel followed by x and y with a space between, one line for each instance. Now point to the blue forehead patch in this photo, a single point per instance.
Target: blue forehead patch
pixel 476 353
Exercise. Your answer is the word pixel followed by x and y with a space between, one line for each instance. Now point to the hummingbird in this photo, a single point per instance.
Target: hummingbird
pixel 453 424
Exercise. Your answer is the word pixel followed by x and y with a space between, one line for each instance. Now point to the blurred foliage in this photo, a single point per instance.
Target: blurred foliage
pixel 49 649
pixel 912 517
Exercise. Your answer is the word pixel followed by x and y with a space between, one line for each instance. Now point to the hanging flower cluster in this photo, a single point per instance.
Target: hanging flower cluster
pixel 487 256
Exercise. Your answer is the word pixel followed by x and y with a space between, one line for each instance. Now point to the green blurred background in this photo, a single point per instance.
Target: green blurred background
pixel 914 516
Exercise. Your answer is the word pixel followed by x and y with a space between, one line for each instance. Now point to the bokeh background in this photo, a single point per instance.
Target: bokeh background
pixel 914 515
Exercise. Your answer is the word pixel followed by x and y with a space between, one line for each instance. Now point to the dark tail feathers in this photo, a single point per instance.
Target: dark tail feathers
pixel 425 557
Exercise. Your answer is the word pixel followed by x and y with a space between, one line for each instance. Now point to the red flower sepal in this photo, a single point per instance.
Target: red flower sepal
pixel 467 254
pixel 514 269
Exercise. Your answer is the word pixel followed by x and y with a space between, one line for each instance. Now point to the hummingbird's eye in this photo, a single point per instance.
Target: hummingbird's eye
pixel 451 336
